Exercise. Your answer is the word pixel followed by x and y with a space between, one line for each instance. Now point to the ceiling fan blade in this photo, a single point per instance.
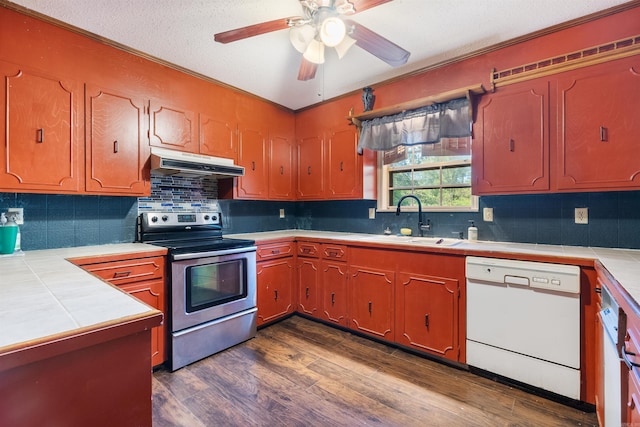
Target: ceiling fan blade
pixel 307 70
pixel 360 5
pixel 254 30
pixel 377 45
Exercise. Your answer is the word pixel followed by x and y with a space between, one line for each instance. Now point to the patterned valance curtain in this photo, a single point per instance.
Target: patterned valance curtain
pixel 425 125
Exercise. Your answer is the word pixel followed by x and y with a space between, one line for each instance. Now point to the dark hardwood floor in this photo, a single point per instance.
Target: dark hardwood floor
pixel 302 373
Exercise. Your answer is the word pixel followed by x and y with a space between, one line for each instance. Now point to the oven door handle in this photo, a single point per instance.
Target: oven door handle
pixel 193 255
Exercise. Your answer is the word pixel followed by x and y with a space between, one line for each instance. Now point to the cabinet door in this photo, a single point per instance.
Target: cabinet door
pixel 116 148
pixel 344 177
pixel 172 127
pixel 427 314
pixel 275 289
pixel 371 303
pixel 217 136
pixel 511 140
pixel 42 149
pixel 308 285
pixel 252 154
pixel 310 168
pixel 598 127
pixel 334 292
pixel 281 168
pixel 152 293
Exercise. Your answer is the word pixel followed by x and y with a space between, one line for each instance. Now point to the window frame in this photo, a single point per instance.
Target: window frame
pixel 383 190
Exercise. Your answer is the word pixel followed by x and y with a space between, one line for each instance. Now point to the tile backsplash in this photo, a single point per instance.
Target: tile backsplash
pixel 54 221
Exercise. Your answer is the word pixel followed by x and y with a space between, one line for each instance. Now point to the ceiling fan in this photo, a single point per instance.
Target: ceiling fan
pixel 325 24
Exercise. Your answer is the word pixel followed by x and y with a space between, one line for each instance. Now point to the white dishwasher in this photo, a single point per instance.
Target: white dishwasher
pixel 523 322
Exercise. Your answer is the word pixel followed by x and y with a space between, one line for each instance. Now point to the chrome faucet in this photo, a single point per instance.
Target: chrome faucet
pixel 421 225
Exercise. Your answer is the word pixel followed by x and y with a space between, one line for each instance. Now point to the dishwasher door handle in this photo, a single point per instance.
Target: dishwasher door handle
pixel 516 280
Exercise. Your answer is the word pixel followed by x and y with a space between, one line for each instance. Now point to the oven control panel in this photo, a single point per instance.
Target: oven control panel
pixel 173 219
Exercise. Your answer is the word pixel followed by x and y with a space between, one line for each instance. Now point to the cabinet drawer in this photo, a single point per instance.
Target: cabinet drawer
pixel 309 249
pixel 336 252
pixel 274 250
pixel 133 270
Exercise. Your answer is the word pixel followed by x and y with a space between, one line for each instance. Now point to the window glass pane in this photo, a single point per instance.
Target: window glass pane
pixel 456 196
pixel 429 197
pixel 396 195
pixel 426 178
pixel 401 179
pixel 458 175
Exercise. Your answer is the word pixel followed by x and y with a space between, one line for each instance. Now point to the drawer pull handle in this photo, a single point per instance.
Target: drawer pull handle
pixel 275 251
pixel 370 307
pixel 626 359
pixel 511 145
pixel 253 165
pixel 307 292
pixel 333 298
pixel 341 166
pixel 306 250
pixel 121 274
pixel 604 134
pixel 276 294
pixel 40 136
pixel 115 147
pixel 309 170
pixel 597 290
pixel 281 170
pixel 426 320
pixel 332 254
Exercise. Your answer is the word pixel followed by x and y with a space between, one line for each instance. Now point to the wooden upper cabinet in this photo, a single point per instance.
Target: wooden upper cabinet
pixel 41 149
pixel 310 183
pixel 281 168
pixel 172 127
pixel 252 154
pixel 217 136
pixel 117 150
pixel 511 140
pixel 598 126
pixel 344 175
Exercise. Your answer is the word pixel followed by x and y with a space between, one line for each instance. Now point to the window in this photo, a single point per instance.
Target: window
pixel 438 174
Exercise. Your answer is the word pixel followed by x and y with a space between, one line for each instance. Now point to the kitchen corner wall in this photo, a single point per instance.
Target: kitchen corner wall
pixel 53 221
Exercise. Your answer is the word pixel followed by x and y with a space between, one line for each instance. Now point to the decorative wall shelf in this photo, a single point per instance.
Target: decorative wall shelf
pixel 469 92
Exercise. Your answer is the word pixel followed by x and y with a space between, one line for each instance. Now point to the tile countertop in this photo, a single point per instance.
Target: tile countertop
pixel 44 295
pixel 623 264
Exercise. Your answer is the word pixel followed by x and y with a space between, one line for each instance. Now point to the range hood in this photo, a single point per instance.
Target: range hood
pixel 178 163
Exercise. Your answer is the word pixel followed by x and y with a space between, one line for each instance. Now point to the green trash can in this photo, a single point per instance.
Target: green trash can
pixel 8 234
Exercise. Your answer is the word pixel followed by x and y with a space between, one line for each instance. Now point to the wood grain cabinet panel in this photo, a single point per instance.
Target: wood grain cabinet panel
pixel 172 127
pixel 344 176
pixel 511 140
pixel 310 183
pixel 598 126
pixel 427 314
pixel 274 250
pixel 335 295
pixel 308 285
pixel 252 155
pixel 281 168
pixel 275 280
pixel 371 301
pixel 217 136
pixel 41 149
pixel 117 150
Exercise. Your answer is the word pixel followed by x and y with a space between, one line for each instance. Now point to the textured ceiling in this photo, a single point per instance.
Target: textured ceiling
pixel 181 32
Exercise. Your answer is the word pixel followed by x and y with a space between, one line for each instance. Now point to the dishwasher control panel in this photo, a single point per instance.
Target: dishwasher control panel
pixel 557 277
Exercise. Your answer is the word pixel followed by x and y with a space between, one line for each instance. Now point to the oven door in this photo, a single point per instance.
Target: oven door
pixel 211 287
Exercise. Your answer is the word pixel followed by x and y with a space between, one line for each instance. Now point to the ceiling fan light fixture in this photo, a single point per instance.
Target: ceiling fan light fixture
pixel 332 31
pixel 314 52
pixel 343 47
pixel 301 36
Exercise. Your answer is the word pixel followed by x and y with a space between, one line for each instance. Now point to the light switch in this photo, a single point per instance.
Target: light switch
pixel 281 213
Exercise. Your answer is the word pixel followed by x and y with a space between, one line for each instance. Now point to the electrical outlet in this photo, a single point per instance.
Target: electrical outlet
pixel 582 215
pixel 18 213
pixel 281 213
pixel 487 214
pixel 372 213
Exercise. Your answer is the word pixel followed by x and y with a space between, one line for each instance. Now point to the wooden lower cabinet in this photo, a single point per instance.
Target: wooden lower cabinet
pixel 371 301
pixel 275 281
pixel 334 292
pixel 141 277
pixel 427 314
pixel 308 270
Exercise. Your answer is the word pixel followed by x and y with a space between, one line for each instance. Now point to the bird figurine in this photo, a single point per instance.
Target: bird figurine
pixel 368 98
